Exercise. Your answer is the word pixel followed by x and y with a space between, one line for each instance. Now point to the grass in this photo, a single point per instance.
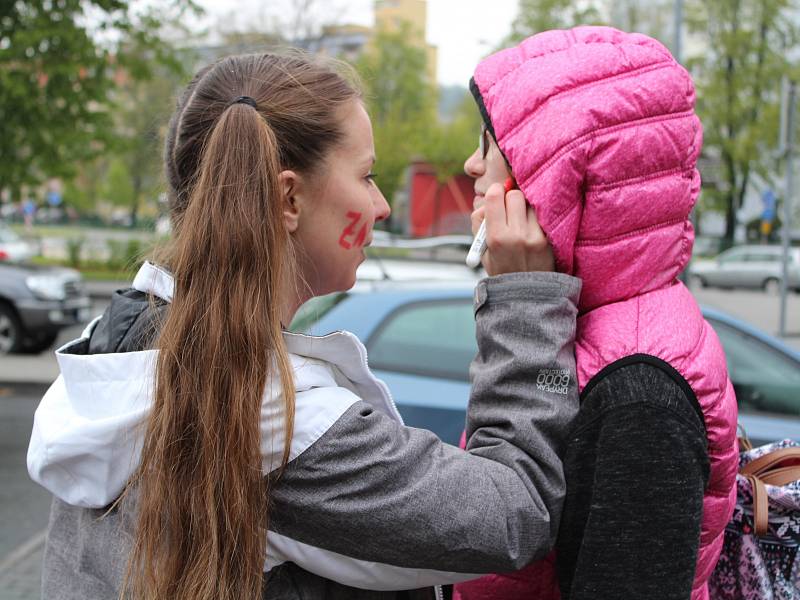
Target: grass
pixel 91 270
pixel 74 231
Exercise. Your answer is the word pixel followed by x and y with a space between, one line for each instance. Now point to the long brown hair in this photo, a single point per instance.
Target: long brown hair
pixel 202 495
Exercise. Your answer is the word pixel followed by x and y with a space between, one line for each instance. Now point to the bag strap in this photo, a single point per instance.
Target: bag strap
pixel 770 461
pixel 770 469
pixel 781 476
pixel 760 505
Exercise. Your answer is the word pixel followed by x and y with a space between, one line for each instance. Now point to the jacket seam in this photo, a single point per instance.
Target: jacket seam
pixel 575 42
pixel 593 189
pixel 628 234
pixel 595 133
pixel 588 85
pixel 591 135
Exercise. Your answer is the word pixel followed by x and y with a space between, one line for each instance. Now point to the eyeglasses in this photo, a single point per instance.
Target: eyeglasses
pixel 483 142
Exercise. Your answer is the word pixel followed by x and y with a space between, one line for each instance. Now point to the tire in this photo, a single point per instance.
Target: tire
pixel 696 281
pixel 10 330
pixel 772 286
pixel 38 344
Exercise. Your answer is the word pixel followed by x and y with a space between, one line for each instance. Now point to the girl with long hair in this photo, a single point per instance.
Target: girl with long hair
pixel 199 451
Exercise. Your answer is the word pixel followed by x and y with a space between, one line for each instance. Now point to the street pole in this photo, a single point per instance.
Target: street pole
pixel 787 136
pixel 677 52
pixel 678 42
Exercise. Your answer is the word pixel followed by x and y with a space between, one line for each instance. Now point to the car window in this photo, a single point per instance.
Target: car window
pixel 435 338
pixel 765 380
pixel 313 310
pixel 762 257
pixel 733 256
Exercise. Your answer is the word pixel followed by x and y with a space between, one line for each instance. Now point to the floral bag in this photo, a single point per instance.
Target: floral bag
pixel 760 559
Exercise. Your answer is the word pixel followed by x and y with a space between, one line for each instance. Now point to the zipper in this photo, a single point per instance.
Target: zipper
pixel 438 591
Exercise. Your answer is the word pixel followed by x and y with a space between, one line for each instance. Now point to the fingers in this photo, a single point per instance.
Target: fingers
pixel 495 213
pixel 514 238
pixel 506 218
pixel 535 238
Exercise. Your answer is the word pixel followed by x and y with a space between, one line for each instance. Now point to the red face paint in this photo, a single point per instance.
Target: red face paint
pixel 350 231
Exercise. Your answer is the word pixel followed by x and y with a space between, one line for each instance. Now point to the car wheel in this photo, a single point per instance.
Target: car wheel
pixel 38 344
pixel 696 282
pixel 10 330
pixel 772 286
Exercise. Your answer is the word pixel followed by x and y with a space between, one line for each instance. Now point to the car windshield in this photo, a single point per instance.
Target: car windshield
pixel 434 338
pixel 765 380
pixel 313 310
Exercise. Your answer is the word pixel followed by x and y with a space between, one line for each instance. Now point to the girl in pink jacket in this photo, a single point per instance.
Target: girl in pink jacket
pixel 598 129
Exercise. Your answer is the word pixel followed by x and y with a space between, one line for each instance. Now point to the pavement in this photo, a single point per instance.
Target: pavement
pixel 21 571
pixel 24 506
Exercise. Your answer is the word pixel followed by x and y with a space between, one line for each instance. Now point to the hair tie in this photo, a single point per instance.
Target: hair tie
pixel 245 100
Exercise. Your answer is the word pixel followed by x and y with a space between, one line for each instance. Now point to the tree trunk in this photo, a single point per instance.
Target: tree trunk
pixel 731 205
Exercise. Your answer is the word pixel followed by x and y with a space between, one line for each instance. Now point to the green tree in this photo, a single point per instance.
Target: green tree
pixel 142 107
pixel 402 103
pixel 117 187
pixel 58 61
pixel 448 144
pixel 738 75
pixel 534 16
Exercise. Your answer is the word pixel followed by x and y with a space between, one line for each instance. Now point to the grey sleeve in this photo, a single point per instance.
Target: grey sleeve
pixel 374 490
pixel 524 388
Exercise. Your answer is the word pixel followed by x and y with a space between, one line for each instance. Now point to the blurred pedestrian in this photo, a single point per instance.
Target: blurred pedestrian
pixel 29 211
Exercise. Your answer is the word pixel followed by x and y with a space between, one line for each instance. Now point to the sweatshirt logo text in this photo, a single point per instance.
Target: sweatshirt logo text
pixel 554 381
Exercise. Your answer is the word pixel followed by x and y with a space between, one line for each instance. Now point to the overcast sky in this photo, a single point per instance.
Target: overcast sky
pixel 463 30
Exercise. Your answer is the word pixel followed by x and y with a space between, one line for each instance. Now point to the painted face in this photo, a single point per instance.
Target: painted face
pixel 344 206
pixel 486 166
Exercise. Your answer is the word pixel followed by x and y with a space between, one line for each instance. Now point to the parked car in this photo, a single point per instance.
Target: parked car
pixel 13 247
pixel 705 246
pixel 420 338
pixel 759 267
pixel 36 303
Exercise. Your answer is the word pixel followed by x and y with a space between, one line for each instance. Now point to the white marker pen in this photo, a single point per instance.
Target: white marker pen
pixel 478 247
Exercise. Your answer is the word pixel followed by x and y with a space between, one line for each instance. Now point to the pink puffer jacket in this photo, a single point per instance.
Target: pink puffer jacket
pixel 600 131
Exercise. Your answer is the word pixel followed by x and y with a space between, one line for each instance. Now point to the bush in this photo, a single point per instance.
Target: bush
pixel 124 255
pixel 74 251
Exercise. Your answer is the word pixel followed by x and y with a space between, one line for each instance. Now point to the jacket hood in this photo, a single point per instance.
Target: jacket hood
pixel 600 131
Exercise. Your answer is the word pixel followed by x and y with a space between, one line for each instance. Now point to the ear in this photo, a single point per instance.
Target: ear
pixel 291 186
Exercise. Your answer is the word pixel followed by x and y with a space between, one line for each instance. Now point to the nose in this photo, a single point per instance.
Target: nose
pixel 474 166
pixel 382 208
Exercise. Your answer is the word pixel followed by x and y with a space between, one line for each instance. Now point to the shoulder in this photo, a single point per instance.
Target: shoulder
pixel 319 403
pixel 641 383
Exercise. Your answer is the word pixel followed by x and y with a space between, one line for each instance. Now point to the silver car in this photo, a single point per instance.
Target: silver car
pixel 12 247
pixel 758 267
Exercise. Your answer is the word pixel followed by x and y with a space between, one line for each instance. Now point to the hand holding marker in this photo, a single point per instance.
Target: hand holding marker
pixel 479 243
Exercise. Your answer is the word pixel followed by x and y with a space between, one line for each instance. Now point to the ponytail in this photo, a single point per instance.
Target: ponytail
pixel 202 501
